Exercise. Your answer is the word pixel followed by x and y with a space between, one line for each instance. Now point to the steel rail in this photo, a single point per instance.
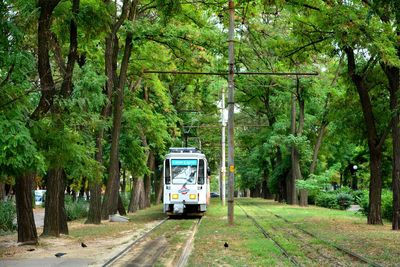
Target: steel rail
pixel 188 246
pixel 267 235
pixel 122 252
pixel 329 243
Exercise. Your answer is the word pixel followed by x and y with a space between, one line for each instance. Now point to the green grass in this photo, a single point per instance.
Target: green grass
pixel 247 247
pixel 347 229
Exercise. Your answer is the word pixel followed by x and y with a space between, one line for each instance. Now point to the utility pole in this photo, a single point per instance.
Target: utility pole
pixel 231 107
pixel 223 164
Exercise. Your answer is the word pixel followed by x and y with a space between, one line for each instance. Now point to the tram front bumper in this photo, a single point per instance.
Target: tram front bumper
pixel 178 208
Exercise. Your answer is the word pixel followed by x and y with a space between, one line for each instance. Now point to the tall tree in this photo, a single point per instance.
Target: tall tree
pixel 55 220
pixel 110 202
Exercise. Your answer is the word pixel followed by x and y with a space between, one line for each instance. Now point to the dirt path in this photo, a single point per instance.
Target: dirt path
pixel 99 249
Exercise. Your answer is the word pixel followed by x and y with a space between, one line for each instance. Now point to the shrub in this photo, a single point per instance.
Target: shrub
pixel 327 200
pixel 339 199
pixel 311 198
pixel 357 194
pixel 125 197
pixel 387 205
pixel 344 200
pixel 8 214
pixel 76 210
pixel 363 200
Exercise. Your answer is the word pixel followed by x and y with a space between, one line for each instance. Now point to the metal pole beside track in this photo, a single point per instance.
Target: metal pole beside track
pixel 223 163
pixel 231 108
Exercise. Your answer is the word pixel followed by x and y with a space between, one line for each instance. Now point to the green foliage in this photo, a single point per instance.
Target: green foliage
pixel 125 197
pixel 362 199
pixel 76 210
pixel 387 203
pixel 344 200
pixel 18 150
pixel 8 214
pixel 327 200
pixel 279 174
pixel 336 199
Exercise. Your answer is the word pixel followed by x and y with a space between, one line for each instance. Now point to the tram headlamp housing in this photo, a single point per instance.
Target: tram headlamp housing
pixel 175 196
pixel 192 196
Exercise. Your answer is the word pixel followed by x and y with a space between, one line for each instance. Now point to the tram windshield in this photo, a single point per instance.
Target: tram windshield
pixel 184 171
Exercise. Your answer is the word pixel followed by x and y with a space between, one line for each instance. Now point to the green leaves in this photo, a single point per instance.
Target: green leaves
pixel 18 152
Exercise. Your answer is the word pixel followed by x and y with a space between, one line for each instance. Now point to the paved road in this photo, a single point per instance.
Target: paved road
pixel 39 217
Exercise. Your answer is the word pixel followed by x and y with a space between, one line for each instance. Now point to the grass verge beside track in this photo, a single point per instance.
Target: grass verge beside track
pixel 247 246
pixel 344 228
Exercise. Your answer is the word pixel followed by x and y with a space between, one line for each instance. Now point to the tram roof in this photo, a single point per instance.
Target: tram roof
pixel 185 152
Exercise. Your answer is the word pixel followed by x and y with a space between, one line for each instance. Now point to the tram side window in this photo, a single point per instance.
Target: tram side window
pixel 167 173
pixel 201 172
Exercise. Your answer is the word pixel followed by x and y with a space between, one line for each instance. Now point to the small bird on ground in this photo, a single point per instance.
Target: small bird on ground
pixel 226 245
pixel 59 254
pixel 83 245
pixel 31 249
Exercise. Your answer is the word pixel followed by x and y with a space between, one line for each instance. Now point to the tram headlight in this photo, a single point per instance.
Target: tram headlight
pixel 192 196
pixel 175 196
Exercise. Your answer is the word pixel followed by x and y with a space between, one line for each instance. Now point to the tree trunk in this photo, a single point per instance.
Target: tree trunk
pixel 374 143
pixel 123 185
pixel 396 170
pixel 255 192
pixel 94 214
pixel 26 222
pixel 44 69
pixel 135 195
pixel 303 197
pixel 375 188
pixel 121 208
pixel 151 164
pixel 291 183
pixel 247 192
pixel 160 191
pixel 2 191
pixel 317 146
pixel 55 218
pixel 265 189
pixel 142 197
pixel 393 75
pixel 160 184
pixel 110 202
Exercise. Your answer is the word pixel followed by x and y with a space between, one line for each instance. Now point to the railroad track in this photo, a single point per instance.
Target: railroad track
pixel 149 247
pixel 343 250
pixel 269 236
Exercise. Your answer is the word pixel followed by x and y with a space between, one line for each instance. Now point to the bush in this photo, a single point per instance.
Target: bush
pixel 311 198
pixel 358 194
pixel 363 200
pixel 327 200
pixel 344 200
pixel 125 197
pixel 8 214
pixel 387 203
pixel 76 210
pixel 339 199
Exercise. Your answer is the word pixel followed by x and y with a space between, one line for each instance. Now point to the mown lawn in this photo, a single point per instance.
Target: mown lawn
pixel 248 247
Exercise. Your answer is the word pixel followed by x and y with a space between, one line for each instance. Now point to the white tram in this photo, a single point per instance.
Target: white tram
pixel 186 183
